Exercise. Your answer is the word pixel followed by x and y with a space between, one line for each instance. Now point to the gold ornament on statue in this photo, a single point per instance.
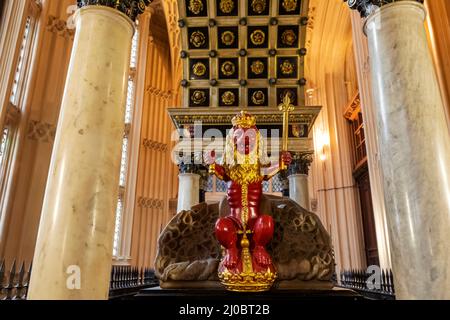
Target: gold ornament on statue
pixel 199 69
pixel 257 67
pixel 289 5
pixel 197 39
pixel 228 38
pixel 228 68
pixel 287 68
pixel 258 37
pixel 195 6
pixel 259 6
pixel 288 37
pixel 228 98
pixel 198 97
pixel 248 280
pixel 258 97
pixel 226 6
pixel 244 120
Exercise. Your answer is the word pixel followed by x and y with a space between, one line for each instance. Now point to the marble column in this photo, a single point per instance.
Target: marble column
pixel 298 189
pixel 73 253
pixel 298 179
pixel 414 149
pixel 188 191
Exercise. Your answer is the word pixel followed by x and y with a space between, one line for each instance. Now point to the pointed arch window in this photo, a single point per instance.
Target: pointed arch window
pixel 129 108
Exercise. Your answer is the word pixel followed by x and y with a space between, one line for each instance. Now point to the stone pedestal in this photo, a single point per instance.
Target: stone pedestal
pixel 298 189
pixel 188 191
pixel 74 247
pixel 414 149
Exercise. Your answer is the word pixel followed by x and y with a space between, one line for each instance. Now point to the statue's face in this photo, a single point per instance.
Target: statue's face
pixel 245 140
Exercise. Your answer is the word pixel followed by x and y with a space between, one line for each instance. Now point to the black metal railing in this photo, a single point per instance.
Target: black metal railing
pixel 126 281
pixel 371 285
pixel 14 282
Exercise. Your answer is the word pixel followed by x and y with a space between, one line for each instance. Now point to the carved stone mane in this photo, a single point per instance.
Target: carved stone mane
pixel 189 255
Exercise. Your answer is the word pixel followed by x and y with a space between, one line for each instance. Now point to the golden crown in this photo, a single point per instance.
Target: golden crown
pixel 244 120
pixel 248 281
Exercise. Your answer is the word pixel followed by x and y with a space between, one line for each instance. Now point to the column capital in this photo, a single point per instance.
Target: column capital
pixel 131 8
pixel 301 161
pixel 366 7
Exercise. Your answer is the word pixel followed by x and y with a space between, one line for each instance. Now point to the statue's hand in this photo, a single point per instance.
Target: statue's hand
pixel 210 158
pixel 286 157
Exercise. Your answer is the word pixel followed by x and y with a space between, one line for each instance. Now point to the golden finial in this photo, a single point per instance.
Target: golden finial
pixel 286 107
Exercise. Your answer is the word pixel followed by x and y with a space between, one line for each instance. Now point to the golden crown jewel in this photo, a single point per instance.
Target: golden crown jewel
pixel 248 281
pixel 244 120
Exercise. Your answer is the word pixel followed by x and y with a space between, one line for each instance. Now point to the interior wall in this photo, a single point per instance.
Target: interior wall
pixel 438 25
pixel 368 110
pixel 332 81
pixel 39 121
pixel 157 177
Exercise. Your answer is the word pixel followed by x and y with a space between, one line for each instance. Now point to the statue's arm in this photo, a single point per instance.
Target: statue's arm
pixel 219 171
pixel 271 170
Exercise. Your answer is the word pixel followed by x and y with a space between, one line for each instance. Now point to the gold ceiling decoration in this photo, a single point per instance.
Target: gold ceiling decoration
pixel 259 6
pixel 198 97
pixel 198 39
pixel 199 69
pixel 228 98
pixel 257 67
pixel 228 38
pixel 287 68
pixel 226 6
pixel 243 50
pixel 195 6
pixel 228 68
pixel 289 37
pixel 258 97
pixel 258 37
pixel 289 5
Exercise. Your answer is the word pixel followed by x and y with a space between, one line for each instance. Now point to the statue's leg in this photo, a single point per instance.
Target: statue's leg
pixel 226 234
pixel 262 234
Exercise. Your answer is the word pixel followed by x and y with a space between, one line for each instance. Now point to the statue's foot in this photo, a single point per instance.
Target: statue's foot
pixel 231 258
pixel 262 257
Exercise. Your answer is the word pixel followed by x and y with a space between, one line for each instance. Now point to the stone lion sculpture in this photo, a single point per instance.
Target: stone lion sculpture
pixel 189 254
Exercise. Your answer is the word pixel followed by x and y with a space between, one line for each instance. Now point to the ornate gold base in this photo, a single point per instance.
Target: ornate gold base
pixel 248 282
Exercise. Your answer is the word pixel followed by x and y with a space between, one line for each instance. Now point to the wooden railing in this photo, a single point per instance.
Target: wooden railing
pixel 126 281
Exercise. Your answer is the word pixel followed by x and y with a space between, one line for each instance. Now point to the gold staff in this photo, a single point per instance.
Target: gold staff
pixel 285 107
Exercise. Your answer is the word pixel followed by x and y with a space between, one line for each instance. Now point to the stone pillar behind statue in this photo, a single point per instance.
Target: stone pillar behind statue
pixel 414 149
pixel 74 247
pixel 298 189
pixel 188 191
pixel 298 178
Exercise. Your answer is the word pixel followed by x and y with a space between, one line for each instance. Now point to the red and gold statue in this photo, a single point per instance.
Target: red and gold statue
pixel 246 231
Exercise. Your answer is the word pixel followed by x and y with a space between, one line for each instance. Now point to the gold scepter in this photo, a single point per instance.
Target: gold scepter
pixel 285 107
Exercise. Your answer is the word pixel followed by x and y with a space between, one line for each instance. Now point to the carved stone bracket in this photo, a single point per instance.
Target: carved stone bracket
pixel 59 27
pixel 148 203
pixel 366 7
pixel 153 145
pixel 192 163
pixel 41 131
pixel 131 8
pixel 300 163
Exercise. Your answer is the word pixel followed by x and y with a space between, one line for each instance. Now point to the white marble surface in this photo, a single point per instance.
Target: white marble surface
pixel 188 191
pixel 298 189
pixel 414 148
pixel 78 215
